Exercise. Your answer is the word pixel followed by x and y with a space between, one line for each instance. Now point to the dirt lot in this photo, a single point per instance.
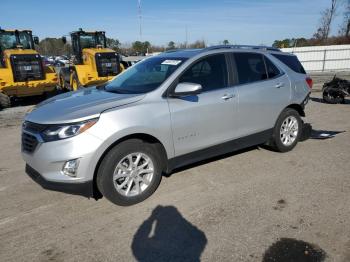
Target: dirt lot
pixel 248 206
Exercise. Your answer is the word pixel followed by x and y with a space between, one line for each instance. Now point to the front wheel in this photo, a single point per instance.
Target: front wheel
pixel 287 130
pixel 62 82
pixel 130 172
pixel 5 101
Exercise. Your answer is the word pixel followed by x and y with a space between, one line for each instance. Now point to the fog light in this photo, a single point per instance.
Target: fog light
pixel 70 168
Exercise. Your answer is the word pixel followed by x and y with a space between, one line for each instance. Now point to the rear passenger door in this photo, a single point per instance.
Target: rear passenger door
pixel 263 92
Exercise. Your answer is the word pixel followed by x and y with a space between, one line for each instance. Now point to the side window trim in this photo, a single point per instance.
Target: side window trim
pixel 234 80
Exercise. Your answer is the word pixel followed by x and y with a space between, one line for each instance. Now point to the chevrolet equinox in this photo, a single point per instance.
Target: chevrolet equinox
pixel 170 110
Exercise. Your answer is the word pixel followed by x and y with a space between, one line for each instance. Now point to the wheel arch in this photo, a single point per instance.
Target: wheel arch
pixel 141 136
pixel 298 108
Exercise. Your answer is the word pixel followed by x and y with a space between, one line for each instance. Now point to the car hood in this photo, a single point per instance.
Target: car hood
pixel 78 106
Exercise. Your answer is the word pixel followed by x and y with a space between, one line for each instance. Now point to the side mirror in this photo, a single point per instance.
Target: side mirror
pixel 36 40
pixel 186 89
pixel 64 39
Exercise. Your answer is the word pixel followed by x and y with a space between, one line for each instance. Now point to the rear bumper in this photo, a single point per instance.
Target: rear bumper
pixel 85 189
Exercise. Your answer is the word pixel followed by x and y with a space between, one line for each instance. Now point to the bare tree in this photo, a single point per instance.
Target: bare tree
pixel 345 27
pixel 327 17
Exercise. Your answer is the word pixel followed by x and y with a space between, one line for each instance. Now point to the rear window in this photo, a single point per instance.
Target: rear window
pixel 292 62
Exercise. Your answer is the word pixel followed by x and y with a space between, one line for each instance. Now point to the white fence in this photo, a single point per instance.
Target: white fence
pixel 323 58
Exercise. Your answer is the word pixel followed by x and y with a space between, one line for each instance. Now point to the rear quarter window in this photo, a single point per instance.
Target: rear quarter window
pixel 292 62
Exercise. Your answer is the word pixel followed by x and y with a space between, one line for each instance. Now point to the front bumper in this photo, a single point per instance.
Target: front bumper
pixel 85 189
pixel 46 161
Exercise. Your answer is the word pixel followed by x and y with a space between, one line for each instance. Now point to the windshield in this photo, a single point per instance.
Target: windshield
pixel 8 40
pixel 144 76
pixel 91 40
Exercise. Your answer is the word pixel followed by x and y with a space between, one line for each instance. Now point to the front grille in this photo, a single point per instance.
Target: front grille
pixel 107 64
pixel 33 127
pixel 27 68
pixel 29 142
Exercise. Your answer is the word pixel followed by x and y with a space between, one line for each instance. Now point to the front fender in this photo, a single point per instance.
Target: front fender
pixel 137 119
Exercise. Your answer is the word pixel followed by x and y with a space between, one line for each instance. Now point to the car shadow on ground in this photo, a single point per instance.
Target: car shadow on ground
pixel 167 236
pixel 310 133
pixel 320 100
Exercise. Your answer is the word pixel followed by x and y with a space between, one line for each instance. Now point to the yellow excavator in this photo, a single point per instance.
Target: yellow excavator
pixel 22 72
pixel 93 64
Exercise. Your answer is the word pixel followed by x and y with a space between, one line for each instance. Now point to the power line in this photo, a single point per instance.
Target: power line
pixel 140 18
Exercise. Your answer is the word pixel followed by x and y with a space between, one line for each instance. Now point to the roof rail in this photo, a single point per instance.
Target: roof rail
pixel 180 49
pixel 267 48
pixel 173 50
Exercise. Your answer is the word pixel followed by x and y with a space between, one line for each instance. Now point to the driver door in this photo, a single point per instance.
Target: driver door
pixel 209 118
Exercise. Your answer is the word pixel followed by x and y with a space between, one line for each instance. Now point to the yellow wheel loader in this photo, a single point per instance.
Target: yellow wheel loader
pixel 22 72
pixel 93 64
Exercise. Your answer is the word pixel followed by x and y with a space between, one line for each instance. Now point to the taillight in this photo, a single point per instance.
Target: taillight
pixel 309 82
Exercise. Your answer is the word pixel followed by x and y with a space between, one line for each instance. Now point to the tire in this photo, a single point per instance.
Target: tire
pixel 110 176
pixel 5 101
pixel 280 142
pixel 62 82
pixel 76 85
pixel 332 96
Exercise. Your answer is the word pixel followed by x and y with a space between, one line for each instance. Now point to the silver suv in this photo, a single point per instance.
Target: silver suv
pixel 116 140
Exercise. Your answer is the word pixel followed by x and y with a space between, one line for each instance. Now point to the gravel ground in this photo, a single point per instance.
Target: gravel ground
pixel 254 205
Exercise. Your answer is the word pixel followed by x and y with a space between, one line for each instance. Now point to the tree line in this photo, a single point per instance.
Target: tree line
pixel 322 33
pixel 55 47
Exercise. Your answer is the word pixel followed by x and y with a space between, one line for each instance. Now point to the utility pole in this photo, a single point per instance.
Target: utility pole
pixel 186 37
pixel 140 18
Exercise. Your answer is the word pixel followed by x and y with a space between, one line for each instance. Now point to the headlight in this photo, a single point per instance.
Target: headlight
pixel 58 132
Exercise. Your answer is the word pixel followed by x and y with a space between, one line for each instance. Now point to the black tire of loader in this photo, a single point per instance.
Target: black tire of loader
pixel 5 101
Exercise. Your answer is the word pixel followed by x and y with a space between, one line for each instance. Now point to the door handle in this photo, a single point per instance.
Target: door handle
pixel 279 85
pixel 227 96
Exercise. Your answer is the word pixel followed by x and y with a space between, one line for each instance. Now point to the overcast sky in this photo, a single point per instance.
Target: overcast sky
pixel 239 21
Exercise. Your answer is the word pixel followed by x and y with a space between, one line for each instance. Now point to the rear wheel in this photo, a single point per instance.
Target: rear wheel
pixel 5 101
pixel 287 131
pixel 130 172
pixel 76 85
